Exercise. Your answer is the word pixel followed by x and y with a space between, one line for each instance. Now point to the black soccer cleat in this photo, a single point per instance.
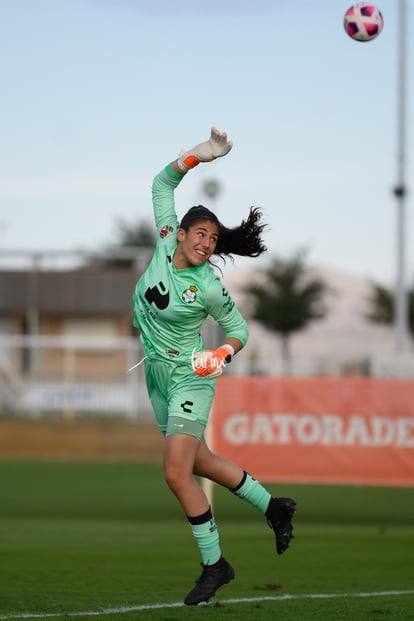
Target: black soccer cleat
pixel 279 516
pixel 212 578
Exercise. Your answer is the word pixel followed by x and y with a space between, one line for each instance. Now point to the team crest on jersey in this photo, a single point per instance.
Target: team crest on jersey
pixel 189 295
pixel 166 230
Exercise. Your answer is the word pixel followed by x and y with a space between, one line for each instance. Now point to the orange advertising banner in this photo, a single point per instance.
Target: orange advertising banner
pixel 317 430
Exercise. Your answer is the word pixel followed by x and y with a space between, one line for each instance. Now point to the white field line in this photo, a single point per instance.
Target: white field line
pixel 242 600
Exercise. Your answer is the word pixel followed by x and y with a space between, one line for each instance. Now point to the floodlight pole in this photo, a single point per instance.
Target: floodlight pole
pixel 400 192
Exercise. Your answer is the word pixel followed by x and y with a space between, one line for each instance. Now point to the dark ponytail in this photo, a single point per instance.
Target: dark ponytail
pixel 244 240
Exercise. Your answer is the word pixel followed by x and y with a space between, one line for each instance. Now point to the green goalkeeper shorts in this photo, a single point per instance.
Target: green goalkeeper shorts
pixel 177 393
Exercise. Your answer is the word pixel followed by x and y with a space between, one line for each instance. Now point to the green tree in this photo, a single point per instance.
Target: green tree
pixel 381 306
pixel 287 299
pixel 129 237
pixel 141 234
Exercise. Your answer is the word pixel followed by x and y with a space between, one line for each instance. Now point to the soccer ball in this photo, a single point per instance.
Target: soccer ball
pixel 363 21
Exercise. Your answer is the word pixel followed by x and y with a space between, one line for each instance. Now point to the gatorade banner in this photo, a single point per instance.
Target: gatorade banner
pixel 317 430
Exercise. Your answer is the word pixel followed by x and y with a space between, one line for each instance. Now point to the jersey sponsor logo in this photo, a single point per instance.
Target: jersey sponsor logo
pixel 189 296
pixel 158 295
pixel 228 304
pixel 172 353
pixel 166 230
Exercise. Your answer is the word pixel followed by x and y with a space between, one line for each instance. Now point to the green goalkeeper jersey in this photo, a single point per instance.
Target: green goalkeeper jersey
pixel 169 304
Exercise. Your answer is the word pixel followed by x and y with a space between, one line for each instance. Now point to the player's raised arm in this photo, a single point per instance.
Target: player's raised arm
pixel 166 181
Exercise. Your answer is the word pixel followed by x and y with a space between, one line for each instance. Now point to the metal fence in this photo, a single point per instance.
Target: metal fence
pixel 89 376
pixel 73 376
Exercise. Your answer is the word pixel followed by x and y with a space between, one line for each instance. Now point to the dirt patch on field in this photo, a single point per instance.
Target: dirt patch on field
pixel 113 440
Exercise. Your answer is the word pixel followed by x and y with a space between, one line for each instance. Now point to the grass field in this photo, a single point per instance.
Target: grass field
pixel 108 541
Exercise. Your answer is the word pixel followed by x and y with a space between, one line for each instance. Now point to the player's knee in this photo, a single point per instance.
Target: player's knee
pixel 205 464
pixel 175 479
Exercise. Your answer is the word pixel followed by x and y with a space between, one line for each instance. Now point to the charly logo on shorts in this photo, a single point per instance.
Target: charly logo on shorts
pixel 165 231
pixel 189 295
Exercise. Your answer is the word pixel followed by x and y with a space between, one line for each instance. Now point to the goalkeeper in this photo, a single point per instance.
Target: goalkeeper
pixel 172 299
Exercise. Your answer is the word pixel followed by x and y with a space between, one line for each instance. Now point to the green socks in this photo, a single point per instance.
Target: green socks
pixel 207 538
pixel 253 492
pixel 204 527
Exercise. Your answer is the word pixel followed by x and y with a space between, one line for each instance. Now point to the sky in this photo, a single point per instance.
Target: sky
pixel 98 95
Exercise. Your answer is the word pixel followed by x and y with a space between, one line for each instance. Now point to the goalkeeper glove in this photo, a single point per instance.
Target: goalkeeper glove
pixel 215 147
pixel 210 364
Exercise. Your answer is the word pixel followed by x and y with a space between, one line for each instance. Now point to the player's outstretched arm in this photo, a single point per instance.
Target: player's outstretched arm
pixel 216 146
